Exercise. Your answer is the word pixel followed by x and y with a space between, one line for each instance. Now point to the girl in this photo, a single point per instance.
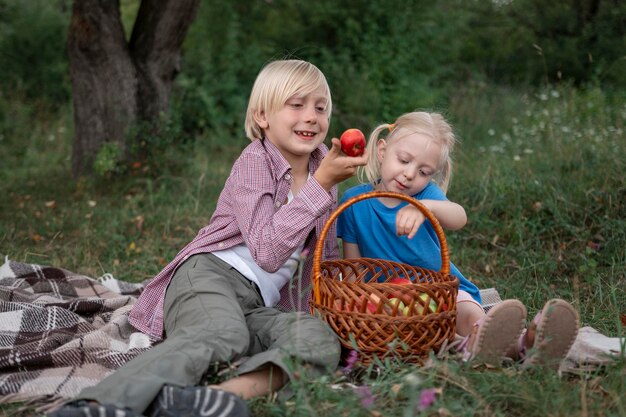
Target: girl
pixel 217 300
pixel 415 159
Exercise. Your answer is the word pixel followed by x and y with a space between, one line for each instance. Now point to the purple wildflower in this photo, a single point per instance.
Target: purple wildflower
pixel 427 398
pixel 366 396
pixel 353 356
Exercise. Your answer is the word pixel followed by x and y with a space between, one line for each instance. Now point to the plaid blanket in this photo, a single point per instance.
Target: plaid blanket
pixel 61 332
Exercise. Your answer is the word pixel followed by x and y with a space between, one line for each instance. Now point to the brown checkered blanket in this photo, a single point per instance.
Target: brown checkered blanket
pixel 61 332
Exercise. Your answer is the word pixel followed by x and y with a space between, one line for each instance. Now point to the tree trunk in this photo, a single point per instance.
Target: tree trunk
pixel 158 35
pixel 104 80
pixel 114 84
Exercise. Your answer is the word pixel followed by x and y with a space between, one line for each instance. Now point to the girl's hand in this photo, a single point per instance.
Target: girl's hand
pixel 408 220
pixel 337 167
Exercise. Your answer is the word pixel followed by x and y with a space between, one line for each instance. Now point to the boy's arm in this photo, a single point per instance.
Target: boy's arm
pixel 273 233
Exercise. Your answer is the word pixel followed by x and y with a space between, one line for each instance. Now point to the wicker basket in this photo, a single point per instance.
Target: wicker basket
pixel 355 297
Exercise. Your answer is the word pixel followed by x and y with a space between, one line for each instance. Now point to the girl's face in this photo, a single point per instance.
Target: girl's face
pixel 299 127
pixel 408 163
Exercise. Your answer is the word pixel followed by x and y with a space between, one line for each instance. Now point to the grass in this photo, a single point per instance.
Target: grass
pixel 541 175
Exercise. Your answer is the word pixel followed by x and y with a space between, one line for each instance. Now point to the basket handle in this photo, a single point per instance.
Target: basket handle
pixel 319 247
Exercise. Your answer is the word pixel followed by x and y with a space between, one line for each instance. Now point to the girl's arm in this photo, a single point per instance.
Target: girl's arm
pixel 450 215
pixel 351 250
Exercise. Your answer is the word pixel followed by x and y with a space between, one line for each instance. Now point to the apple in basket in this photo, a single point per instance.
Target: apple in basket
pixel 371 304
pixel 402 309
pixel 432 304
pixel 400 281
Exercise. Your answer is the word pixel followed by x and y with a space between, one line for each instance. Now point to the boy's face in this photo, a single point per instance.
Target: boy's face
pixel 408 163
pixel 299 127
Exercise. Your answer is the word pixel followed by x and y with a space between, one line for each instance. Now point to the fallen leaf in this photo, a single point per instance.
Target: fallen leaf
pixel 139 222
pixel 51 204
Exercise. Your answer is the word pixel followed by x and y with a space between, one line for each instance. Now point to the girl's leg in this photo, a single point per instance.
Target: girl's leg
pixel 491 337
pixel 468 312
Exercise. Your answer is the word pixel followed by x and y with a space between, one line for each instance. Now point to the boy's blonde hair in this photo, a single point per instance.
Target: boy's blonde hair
pixel 432 125
pixel 276 83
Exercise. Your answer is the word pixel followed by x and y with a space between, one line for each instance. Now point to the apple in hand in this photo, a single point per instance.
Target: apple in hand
pixel 352 142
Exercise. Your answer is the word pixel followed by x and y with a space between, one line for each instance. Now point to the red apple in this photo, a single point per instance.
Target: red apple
pixel 399 294
pixel 400 281
pixel 352 142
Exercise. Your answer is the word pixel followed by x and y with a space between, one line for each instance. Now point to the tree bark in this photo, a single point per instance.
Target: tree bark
pixel 155 44
pixel 115 84
pixel 104 80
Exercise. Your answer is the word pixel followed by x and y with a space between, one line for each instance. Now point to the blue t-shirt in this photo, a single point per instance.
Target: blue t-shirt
pixel 372 226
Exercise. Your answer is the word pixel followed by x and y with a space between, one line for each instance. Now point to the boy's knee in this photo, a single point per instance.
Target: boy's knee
pixel 230 343
pixel 217 344
pixel 316 342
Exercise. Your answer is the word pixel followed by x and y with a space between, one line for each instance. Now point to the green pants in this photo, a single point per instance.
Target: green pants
pixel 214 314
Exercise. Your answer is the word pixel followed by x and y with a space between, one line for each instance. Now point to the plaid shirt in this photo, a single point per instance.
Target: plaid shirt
pixel 251 210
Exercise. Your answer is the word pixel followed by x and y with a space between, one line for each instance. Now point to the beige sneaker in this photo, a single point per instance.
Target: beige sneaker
pixel 494 334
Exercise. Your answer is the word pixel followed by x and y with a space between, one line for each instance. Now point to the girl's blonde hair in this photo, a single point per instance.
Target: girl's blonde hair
pixel 432 125
pixel 276 83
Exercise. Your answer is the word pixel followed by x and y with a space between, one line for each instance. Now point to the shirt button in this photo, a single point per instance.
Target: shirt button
pixel 277 204
pixel 287 176
pixel 220 245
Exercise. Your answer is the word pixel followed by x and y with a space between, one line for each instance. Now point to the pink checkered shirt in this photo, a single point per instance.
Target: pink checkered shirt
pixel 251 210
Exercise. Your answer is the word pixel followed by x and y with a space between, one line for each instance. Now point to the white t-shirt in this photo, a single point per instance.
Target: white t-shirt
pixel 270 283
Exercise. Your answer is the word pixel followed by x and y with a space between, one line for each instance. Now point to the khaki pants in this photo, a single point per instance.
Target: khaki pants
pixel 214 314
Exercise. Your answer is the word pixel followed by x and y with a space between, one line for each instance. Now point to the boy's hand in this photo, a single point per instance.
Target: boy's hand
pixel 337 167
pixel 408 220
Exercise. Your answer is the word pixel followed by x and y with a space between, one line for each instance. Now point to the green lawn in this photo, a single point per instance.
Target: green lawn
pixel 541 175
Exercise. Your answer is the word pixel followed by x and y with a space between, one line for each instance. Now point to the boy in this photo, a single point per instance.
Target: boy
pixel 229 293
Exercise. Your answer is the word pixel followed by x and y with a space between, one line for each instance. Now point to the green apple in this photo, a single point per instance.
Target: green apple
pixel 401 307
pixel 432 304
pixel 406 311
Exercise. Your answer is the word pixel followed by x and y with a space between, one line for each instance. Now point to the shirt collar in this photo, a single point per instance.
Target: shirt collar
pixel 281 166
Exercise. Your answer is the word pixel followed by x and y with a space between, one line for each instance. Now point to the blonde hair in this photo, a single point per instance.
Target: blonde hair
pixel 276 83
pixel 432 125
